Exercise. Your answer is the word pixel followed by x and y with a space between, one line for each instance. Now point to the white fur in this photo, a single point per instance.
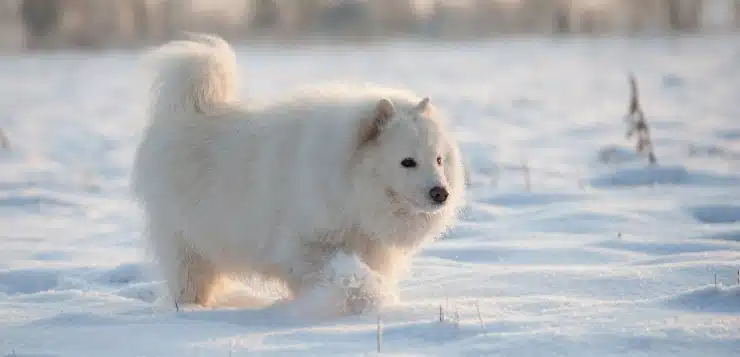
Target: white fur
pixel 285 191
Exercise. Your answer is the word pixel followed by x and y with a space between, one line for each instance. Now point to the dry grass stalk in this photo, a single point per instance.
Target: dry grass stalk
pixel 638 125
pixel 4 142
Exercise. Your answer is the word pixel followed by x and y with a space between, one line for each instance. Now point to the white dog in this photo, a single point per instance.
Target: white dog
pixel 330 192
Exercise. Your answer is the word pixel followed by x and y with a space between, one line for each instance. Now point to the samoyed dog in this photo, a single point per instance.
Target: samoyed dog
pixel 330 192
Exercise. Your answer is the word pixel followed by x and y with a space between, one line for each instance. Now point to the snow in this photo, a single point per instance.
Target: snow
pixel 597 258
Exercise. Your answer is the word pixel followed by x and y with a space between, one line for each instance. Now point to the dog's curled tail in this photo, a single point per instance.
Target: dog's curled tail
pixel 193 75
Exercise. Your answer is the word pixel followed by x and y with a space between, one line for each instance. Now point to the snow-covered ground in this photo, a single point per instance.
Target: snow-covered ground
pixel 594 260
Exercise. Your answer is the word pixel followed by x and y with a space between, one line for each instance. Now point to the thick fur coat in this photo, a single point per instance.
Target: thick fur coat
pixel 331 191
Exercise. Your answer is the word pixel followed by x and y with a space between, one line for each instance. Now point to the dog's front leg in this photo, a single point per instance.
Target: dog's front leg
pixel 343 285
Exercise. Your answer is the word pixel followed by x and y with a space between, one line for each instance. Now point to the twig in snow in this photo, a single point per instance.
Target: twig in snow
pixel 480 317
pixel 453 317
pixel 637 124
pixel 527 170
pixel 4 142
pixel 527 176
pixel 467 174
pixel 380 334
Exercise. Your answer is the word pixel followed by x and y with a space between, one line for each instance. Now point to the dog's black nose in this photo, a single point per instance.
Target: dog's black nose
pixel 438 194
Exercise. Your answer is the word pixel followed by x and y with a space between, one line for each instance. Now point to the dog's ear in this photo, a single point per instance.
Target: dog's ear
pixel 384 111
pixel 423 105
pixel 382 114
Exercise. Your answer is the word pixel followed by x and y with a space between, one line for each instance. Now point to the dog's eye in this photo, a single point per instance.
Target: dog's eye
pixel 408 162
pixel 439 160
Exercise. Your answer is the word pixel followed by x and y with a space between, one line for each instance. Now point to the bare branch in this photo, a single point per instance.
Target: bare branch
pixel 4 142
pixel 380 334
pixel 637 125
pixel 634 105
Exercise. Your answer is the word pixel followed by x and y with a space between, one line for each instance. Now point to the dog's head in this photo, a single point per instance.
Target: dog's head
pixel 414 162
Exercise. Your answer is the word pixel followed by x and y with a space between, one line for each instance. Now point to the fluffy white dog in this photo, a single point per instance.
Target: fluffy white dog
pixel 330 192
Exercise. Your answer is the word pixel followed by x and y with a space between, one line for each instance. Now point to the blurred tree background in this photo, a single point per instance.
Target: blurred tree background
pixel 34 24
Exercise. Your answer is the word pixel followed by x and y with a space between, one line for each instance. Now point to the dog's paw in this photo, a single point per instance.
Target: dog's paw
pixel 359 301
pixel 346 286
pixel 367 295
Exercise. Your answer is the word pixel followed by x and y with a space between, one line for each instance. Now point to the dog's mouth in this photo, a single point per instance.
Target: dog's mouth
pixel 411 206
